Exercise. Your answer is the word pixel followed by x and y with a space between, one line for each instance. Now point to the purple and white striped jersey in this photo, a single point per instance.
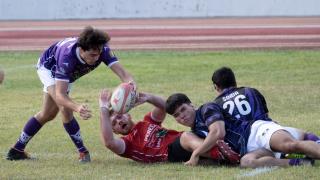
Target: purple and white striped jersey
pixel 65 64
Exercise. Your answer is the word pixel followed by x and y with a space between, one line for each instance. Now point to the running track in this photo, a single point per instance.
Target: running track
pixel 171 34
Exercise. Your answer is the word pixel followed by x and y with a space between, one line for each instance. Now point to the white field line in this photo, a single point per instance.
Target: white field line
pixel 231 37
pixel 256 172
pixel 185 38
pixel 213 45
pixel 160 27
pixel 178 46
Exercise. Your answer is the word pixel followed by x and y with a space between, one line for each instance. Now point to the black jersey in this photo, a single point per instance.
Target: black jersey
pixel 244 103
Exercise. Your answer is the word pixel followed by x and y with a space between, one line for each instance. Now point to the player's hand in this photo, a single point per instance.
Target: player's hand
pixel 133 83
pixel 193 161
pixel 84 111
pixel 135 88
pixel 104 99
pixel 141 98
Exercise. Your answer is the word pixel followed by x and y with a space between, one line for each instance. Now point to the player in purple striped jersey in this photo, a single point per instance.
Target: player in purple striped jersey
pixel 59 66
pixel 249 131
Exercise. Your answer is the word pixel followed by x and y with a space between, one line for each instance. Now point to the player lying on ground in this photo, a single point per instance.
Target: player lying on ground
pixel 58 67
pixel 147 141
pixel 240 117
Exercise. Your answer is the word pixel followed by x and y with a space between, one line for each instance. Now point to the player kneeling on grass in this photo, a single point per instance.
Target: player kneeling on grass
pixel 147 141
pixel 59 66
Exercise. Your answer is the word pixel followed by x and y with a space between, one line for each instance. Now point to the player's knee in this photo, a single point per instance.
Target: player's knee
pixel 184 140
pixel 66 113
pixel 187 140
pixel 45 117
pixel 247 162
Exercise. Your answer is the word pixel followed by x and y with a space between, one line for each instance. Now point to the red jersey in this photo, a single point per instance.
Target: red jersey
pixel 148 141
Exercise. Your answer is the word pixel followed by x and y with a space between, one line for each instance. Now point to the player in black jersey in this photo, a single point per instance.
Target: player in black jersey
pixel 248 105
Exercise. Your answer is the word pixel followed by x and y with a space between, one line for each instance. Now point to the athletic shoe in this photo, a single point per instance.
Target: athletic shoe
pixel 84 157
pixel 15 154
pixel 228 154
pixel 294 156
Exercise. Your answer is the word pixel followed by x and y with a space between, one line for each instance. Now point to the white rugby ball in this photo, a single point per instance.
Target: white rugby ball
pixel 123 98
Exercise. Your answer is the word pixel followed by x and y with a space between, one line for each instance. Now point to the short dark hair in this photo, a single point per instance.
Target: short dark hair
pixel 224 78
pixel 91 38
pixel 176 100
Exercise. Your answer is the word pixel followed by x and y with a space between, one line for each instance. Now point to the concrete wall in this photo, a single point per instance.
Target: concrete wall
pixel 88 9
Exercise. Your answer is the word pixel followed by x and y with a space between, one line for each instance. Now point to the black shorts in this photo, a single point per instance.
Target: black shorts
pixel 176 153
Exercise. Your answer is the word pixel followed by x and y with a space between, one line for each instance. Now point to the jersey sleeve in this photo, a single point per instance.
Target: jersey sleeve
pixel 63 69
pixel 211 113
pixel 148 118
pixel 108 56
pixel 128 146
pixel 261 99
pixel 65 64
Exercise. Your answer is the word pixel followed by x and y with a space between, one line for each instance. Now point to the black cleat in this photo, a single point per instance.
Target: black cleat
pixel 14 155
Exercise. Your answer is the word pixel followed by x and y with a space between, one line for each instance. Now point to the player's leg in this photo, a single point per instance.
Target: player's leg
pixel 300 134
pixel 258 146
pixel 265 158
pixel 282 141
pixel 49 108
pixel 261 158
pixel 48 112
pixel 73 129
pixel 190 141
pixel 221 151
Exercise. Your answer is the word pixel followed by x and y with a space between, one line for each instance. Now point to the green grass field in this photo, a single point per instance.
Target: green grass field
pixel 289 80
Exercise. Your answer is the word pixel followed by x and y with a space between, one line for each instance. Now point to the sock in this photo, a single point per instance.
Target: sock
pixel 73 129
pixel 311 137
pixel 294 162
pixel 216 154
pixel 30 129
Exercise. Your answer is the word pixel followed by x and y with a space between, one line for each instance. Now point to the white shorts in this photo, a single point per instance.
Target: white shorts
pixel 261 132
pixel 47 79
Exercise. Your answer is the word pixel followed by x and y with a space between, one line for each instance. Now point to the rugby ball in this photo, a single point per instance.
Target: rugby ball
pixel 123 98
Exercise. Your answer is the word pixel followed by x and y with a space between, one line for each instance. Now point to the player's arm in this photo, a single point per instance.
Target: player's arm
pixel 124 75
pixel 116 145
pixel 158 114
pixel 62 99
pixel 216 132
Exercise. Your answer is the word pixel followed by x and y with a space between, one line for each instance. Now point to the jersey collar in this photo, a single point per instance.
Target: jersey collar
pixel 78 55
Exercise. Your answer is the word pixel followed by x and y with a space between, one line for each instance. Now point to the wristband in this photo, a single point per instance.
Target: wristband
pixel 106 105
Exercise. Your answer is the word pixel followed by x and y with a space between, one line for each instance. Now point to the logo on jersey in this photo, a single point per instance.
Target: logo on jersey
pixel 61 71
pixel 66 64
pixel 111 54
pixel 161 133
pixel 150 130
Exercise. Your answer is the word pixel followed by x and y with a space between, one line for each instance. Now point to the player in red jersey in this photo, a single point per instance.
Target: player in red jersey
pixel 147 141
